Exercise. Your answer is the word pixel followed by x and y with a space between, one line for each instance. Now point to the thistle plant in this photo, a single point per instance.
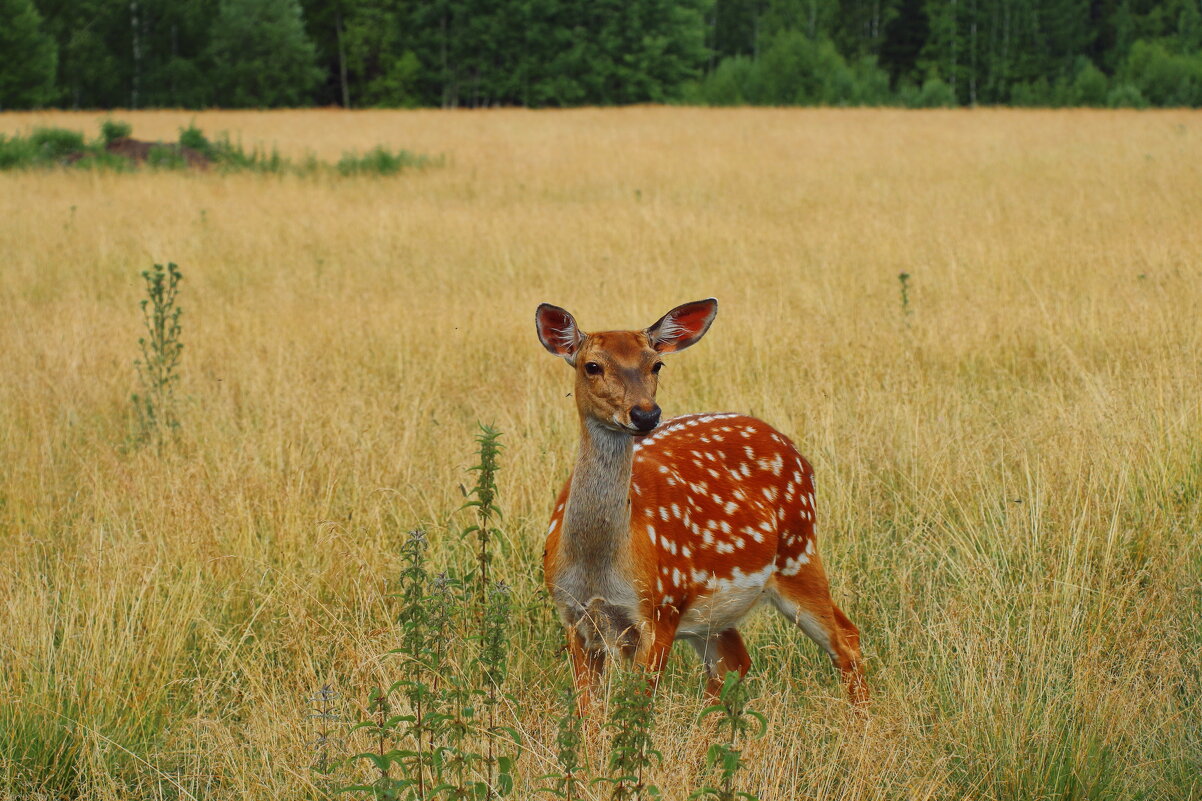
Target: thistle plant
pixel 417 726
pixel 483 499
pixel 457 761
pixel 381 725
pixel 411 726
pixel 739 723
pixel 493 668
pixel 568 784
pixel 161 350
pixel 631 751
pixel 903 279
pixel 323 712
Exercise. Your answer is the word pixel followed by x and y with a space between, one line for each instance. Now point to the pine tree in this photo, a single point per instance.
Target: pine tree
pixel 28 57
pixel 261 54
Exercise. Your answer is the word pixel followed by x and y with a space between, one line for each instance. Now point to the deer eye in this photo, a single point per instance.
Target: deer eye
pixel 592 368
pixel 655 368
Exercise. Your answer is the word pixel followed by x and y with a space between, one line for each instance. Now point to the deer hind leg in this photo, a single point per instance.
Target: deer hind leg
pixel 805 600
pixel 721 653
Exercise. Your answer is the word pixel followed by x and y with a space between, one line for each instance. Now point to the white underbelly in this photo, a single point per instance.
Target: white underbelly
pixel 722 609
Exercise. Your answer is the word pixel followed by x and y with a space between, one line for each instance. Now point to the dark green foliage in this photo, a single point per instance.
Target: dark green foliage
pixel 796 70
pixel 28 57
pixel 1164 77
pixel 158 369
pixel 261 55
pixel 472 53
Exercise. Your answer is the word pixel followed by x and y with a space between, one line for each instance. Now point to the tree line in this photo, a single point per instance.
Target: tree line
pixel 539 53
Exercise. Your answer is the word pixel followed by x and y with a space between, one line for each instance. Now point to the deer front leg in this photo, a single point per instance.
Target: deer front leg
pixel 654 648
pixel 587 666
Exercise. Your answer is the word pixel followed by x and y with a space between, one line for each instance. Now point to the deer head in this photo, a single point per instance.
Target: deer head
pixel 617 372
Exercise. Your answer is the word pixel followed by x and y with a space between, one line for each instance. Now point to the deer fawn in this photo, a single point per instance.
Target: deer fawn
pixel 675 531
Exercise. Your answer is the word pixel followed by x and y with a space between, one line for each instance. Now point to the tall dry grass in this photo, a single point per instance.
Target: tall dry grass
pixel 1009 476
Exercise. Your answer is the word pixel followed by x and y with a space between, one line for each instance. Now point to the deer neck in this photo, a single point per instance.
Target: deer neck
pixel 597 517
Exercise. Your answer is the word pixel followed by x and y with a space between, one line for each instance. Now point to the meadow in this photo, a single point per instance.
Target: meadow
pixel 1008 463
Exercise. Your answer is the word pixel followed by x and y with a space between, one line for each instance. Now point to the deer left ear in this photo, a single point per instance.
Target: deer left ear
pixel 683 326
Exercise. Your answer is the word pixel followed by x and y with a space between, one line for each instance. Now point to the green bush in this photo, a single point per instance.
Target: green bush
pixel 54 144
pixel 111 130
pixel 795 70
pixel 732 83
pixel 1124 95
pixel 934 93
pixel 379 161
pixel 16 152
pixel 166 157
pixel 1090 85
pixel 194 138
pixel 1162 77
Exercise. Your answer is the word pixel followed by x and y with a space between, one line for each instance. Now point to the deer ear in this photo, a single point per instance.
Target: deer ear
pixel 683 326
pixel 558 332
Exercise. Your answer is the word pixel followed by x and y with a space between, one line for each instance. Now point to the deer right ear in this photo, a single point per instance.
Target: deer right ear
pixel 558 332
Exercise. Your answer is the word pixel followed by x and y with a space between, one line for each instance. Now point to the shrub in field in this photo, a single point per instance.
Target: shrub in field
pixel 158 369
pixel 111 130
pixel 194 138
pixel 437 731
pixel 115 149
pixel 54 144
pixel 380 161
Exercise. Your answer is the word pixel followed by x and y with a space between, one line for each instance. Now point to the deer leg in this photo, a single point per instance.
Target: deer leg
pixel 587 665
pixel 805 600
pixel 721 653
pixel 652 654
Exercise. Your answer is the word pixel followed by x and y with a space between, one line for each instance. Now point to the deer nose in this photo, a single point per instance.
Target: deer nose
pixel 644 419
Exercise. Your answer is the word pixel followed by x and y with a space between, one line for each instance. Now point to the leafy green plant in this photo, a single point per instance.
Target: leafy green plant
pixel 166 157
pixel 631 752
pixel 739 722
pixel 568 783
pixel 903 279
pixel 158 369
pixel 112 130
pixel 483 499
pixel 415 637
pixel 494 648
pixel 53 144
pixel 194 138
pixel 323 712
pixel 380 161
pixel 51 147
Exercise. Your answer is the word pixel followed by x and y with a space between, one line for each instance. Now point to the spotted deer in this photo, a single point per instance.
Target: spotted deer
pixel 676 530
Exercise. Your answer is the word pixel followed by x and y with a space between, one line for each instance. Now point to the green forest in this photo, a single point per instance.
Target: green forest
pixel 554 53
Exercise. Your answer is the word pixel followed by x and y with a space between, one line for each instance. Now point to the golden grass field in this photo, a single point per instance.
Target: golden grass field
pixel 1009 476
